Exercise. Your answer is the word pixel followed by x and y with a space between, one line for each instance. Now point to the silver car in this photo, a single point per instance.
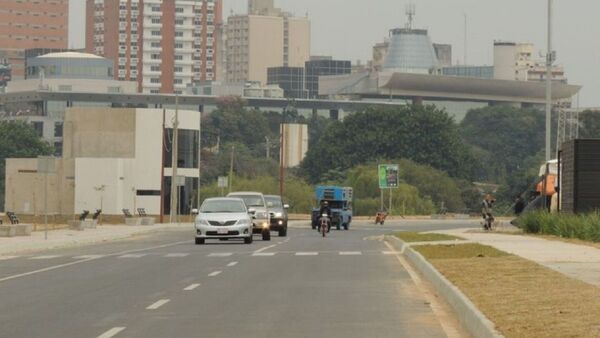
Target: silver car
pixel 223 218
pixel 257 206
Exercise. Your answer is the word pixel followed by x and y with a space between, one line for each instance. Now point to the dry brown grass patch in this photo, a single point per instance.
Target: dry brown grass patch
pixel 522 298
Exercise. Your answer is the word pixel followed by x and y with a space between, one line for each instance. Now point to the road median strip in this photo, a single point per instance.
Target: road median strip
pixel 520 297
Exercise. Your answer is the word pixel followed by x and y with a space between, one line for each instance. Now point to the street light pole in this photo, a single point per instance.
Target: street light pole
pixel 549 62
pixel 174 160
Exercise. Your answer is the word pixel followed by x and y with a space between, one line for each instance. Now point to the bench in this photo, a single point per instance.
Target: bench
pixel 82 223
pixel 144 219
pixel 15 228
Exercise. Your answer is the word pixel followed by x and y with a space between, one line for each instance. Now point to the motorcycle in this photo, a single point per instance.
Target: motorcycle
pixel 380 217
pixel 324 224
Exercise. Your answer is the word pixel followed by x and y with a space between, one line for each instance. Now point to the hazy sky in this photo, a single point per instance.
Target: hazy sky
pixel 348 29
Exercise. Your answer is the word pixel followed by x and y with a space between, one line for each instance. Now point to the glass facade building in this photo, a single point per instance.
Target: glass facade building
pixel 323 67
pixel 482 72
pixel 70 65
pixel 290 79
pixel 410 51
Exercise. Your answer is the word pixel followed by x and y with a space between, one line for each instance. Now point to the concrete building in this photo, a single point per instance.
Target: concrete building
pixel 517 61
pixel 62 72
pixel 379 52
pixel 163 45
pixel 266 37
pixel 31 24
pixel 443 52
pixel 113 160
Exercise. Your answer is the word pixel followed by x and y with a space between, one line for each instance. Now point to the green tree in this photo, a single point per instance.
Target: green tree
pixel 423 134
pixel 18 140
pixel 589 124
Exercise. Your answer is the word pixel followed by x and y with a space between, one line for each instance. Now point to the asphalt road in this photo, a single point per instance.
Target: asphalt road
pixel 162 285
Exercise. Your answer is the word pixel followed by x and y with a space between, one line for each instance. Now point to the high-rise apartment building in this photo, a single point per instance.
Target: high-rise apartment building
pixel 266 37
pixel 164 45
pixel 26 24
pixel 517 61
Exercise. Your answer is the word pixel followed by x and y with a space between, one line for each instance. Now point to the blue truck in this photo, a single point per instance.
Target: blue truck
pixel 340 203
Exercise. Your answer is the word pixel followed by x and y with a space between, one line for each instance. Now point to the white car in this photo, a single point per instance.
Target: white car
pixel 257 206
pixel 223 218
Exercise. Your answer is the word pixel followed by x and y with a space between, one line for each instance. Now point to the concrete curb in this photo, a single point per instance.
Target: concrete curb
pixel 471 318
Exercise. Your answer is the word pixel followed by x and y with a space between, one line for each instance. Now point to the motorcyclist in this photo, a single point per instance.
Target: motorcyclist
pixel 487 210
pixel 325 210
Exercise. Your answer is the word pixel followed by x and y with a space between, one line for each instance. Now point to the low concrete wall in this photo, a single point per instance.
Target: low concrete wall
pixel 82 225
pixel 12 230
pixel 468 314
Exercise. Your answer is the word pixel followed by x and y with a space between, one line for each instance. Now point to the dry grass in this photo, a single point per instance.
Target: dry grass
pixel 522 298
pixel 425 237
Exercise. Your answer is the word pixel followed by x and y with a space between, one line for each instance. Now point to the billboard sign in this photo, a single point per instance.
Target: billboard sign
pixel 388 176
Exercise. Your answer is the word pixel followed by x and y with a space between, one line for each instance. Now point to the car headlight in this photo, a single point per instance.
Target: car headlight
pixel 243 222
pixel 279 214
pixel 202 222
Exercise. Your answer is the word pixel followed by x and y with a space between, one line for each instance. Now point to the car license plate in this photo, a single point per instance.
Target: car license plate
pixel 222 231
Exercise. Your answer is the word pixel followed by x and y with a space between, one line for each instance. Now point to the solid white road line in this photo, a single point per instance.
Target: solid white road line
pixel 306 253
pixel 45 257
pixel 350 253
pixel 220 254
pixel 232 264
pixel 265 248
pixel 191 287
pixel 112 332
pixel 213 274
pixel 132 256
pixel 158 304
pixel 5 258
pixel 390 252
pixel 263 254
pixel 172 255
pixel 88 256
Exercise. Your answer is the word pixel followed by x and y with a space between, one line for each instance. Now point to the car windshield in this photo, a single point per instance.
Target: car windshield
pixel 222 206
pixel 251 200
pixel 273 202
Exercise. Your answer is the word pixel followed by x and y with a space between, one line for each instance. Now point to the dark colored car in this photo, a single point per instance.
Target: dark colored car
pixel 278 213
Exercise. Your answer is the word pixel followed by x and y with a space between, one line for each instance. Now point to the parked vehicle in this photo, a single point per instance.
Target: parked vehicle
pixel 223 218
pixel 257 207
pixel 340 203
pixel 279 214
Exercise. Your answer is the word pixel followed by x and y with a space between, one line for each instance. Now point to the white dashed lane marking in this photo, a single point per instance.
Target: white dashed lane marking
pixel 265 248
pixel 213 274
pixel 306 253
pixel 350 253
pixel 172 255
pixel 220 254
pixel 112 332
pixel 263 254
pixel 133 256
pixel 88 257
pixel 191 287
pixel 45 257
pixel 158 304
pixel 232 264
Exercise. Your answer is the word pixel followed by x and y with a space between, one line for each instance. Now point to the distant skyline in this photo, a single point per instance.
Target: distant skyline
pixel 347 29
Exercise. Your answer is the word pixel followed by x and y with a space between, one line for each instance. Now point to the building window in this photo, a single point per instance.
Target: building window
pixel 58 129
pixel 39 128
pixel 154 80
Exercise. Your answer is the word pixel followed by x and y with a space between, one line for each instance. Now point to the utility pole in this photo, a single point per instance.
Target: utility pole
pixel 268 145
pixel 549 61
pixel 281 160
pixel 231 169
pixel 174 162
pixel 199 162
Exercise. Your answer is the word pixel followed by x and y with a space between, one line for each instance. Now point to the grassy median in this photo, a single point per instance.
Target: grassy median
pixel 425 237
pixel 522 298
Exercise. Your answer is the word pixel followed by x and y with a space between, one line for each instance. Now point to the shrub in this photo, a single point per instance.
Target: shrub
pixel 584 226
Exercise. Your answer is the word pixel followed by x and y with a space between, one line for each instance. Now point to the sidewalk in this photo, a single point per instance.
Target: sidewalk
pixel 72 238
pixel 576 261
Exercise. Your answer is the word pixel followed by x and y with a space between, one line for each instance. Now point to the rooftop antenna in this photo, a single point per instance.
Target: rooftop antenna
pixel 411 10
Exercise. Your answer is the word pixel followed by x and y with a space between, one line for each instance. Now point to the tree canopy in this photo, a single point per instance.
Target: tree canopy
pixel 18 140
pixel 423 134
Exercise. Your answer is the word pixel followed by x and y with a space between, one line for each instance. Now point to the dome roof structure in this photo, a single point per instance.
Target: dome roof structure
pixel 410 51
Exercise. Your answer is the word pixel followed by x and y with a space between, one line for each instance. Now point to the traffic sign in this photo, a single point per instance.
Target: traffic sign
pixel 388 176
pixel 223 182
